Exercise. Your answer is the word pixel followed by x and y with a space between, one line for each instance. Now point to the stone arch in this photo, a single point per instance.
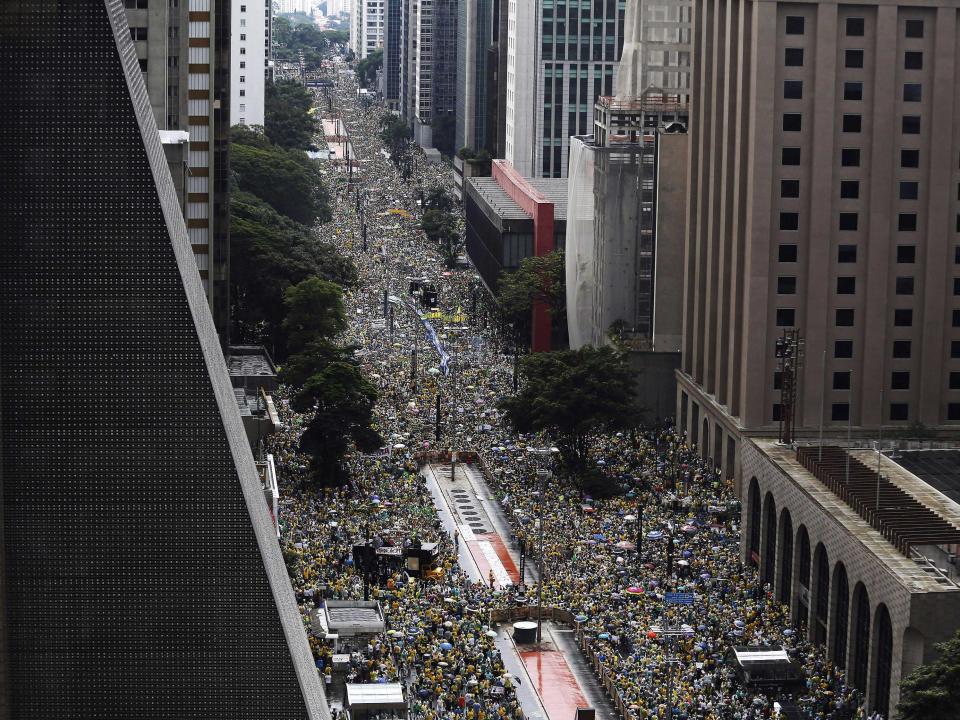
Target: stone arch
pixel 705 439
pixel 768 543
pixel 840 612
pixel 753 522
pixel 804 562
pixel 860 638
pixel 785 541
pixel 820 595
pixel 882 660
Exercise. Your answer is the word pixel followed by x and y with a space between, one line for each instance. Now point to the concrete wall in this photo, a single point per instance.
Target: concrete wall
pixel 656 383
pixel 670 234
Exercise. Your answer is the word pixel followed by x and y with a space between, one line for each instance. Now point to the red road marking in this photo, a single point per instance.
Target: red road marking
pixel 504 555
pixel 478 557
pixel 558 688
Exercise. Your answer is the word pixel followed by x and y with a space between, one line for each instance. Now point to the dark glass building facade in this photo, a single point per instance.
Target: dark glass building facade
pixel 141 574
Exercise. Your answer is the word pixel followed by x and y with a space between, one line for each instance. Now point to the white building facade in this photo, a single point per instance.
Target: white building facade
pixel 249 60
pixel 367 26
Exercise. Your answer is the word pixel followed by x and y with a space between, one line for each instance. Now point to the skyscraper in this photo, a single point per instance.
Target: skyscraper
pixel 249 53
pixel 823 198
pixel 141 574
pixel 475 33
pixel 656 49
pixel 560 58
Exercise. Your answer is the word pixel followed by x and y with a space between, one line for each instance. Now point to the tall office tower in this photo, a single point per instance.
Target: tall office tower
pixel 560 58
pixel 392 52
pixel 823 197
pixel 366 26
pixel 141 574
pixel 656 49
pixel 444 75
pixel 268 41
pixel 475 33
pixel 184 51
pixel 248 55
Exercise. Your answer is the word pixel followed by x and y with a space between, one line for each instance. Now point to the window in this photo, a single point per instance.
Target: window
pixel 844 317
pixel 907 222
pixel 243 51
pixel 841 381
pixel 910 125
pixel 853 58
pixel 785 317
pixel 777 414
pixel 793 57
pixel 849 189
pixel 848 221
pixel 789 221
pixel 243 78
pixel 912 92
pixel 795 25
pixel 956 318
pixel 955 349
pixel 899 411
pixel 138 33
pixel 243 36
pixel 853 91
pixel 956 286
pixel 790 156
pixel 789 188
pixel 850 157
pixel 909 190
pixel 787 253
pixel 846 285
pixel 956 255
pixel 903 317
pixel 243 8
pixel 854 27
pixel 953 411
pixel 793 89
pixel 243 64
pixel 900 380
pixel 913 60
pixel 242 92
pixel 909 158
pixel 143 65
pixel 901 349
pixel 904 286
pixel 847 254
pixel 955 381
pixel 135 4
pixel 243 107
pixel 851 123
pixel 777 379
pixel 914 28
pixel 791 122
pixel 906 253
pixel 840 412
pixel 843 348
pixel 786 285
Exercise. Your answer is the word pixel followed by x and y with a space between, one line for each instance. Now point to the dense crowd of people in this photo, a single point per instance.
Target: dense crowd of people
pixel 672 525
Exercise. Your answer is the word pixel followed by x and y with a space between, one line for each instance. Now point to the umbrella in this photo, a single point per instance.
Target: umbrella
pixel 634 590
pixel 581 618
pixel 598 536
pixel 626 545
pixel 491 633
pixel 446 647
pixel 654 535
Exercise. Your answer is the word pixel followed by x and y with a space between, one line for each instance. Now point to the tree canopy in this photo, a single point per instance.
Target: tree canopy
pixel 539 279
pixel 327 379
pixel 932 692
pixel 269 253
pixel 293 35
pixel 367 68
pixel 288 180
pixel 574 395
pixel 394 133
pixel 287 121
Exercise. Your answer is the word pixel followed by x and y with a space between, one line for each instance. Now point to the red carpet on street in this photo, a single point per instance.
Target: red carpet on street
pixel 558 688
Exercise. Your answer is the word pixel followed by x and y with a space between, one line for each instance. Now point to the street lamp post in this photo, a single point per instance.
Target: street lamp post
pixel 542 474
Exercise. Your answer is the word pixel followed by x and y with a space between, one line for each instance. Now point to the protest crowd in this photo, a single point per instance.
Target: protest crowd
pixel 438 642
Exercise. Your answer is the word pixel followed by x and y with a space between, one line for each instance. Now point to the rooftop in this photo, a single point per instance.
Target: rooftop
pixel 375 694
pixel 553 189
pixel 349 617
pixel 910 573
pixel 938 468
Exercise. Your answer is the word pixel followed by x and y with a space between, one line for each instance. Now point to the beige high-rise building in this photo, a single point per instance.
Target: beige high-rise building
pixel 824 196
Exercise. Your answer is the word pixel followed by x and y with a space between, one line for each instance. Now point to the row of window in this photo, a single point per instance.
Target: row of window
pixel 787 253
pixel 912 59
pixel 796 25
pixel 793 90
pixel 840 412
pixel 850 190
pixel 850 157
pixel 850 221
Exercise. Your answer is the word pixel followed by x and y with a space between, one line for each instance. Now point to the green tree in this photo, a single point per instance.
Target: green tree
pixel 287 120
pixel 574 396
pixel 315 311
pixel 288 180
pixel 367 68
pixel 394 134
pixel 932 692
pixel 269 253
pixel 539 279
pixel 343 400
